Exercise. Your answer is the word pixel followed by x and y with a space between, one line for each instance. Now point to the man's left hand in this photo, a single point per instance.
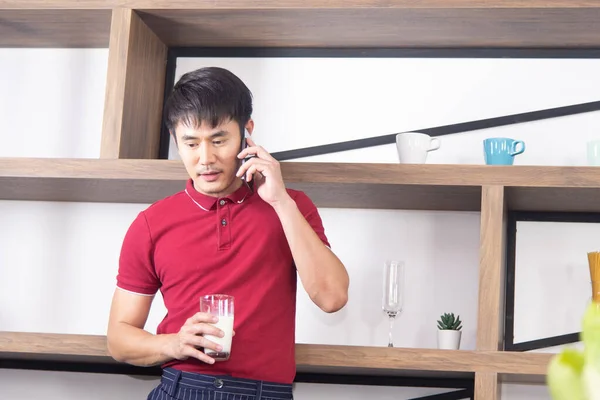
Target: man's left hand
pixel 266 173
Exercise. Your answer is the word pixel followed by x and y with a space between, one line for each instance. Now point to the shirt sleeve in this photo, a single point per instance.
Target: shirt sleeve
pixel 311 214
pixel 136 267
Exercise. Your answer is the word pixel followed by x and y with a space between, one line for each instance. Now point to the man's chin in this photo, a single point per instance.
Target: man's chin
pixel 211 188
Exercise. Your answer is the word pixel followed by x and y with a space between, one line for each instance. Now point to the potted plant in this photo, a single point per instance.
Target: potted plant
pixel 449 331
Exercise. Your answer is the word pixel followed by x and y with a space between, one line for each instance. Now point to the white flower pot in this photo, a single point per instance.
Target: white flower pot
pixel 449 339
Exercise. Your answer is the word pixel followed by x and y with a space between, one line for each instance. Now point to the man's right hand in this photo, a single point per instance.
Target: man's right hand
pixel 189 340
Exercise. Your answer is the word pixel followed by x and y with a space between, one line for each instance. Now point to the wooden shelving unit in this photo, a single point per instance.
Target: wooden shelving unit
pixel 138 34
pixel 345 185
pixel 312 358
pixel 314 23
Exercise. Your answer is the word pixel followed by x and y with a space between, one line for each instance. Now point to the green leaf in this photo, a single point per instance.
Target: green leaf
pixel 564 376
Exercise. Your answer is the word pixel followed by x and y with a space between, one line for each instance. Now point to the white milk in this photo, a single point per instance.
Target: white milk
pixel 226 325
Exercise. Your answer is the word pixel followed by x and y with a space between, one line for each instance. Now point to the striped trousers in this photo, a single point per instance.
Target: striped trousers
pixel 178 385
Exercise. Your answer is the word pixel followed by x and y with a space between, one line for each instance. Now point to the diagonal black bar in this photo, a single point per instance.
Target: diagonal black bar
pixel 77 366
pixel 544 342
pixel 456 395
pixel 385 380
pixel 387 52
pixel 122 368
pixel 441 130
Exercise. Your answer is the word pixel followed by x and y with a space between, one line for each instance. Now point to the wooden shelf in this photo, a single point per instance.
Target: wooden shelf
pixel 293 23
pixel 339 185
pixel 310 358
pixel 67 28
pixel 145 181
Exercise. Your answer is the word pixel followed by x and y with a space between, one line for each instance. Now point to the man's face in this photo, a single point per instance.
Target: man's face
pixel 210 156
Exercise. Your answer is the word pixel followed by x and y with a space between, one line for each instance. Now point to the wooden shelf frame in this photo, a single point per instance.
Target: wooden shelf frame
pixel 441 187
pixel 310 358
pixel 139 34
pixel 315 23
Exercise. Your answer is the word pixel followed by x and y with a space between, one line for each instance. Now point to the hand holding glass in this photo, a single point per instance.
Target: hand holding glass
pixel 393 292
pixel 220 305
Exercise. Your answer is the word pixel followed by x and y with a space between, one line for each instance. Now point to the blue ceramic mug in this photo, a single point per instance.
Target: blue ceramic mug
pixel 501 151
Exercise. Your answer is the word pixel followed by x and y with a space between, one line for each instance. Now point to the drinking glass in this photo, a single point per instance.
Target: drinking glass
pixel 222 306
pixel 393 292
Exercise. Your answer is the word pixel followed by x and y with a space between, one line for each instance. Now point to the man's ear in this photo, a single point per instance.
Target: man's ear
pixel 250 126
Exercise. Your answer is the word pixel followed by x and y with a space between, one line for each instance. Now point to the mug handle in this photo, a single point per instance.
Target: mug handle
pixel 514 151
pixel 434 144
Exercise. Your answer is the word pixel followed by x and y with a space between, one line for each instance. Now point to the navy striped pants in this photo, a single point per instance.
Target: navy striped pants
pixel 178 385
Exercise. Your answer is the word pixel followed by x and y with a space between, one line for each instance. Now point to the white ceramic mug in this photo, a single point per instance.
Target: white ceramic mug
pixel 414 146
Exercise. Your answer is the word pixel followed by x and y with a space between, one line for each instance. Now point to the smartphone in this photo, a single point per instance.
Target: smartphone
pixel 243 145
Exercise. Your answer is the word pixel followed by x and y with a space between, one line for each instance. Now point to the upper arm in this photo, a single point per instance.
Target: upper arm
pixel 130 308
pixel 311 214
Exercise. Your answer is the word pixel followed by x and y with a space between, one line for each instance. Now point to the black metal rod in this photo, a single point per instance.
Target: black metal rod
pixel 387 52
pixel 341 379
pixel 456 395
pixel 385 380
pixel 441 130
pixel 545 342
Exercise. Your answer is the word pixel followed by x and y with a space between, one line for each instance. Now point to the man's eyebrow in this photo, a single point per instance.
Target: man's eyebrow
pixel 220 133
pixel 212 136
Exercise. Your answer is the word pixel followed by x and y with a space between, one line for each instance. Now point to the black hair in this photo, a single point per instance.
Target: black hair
pixel 211 95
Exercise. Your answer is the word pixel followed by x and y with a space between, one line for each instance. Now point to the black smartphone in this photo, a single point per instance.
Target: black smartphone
pixel 243 145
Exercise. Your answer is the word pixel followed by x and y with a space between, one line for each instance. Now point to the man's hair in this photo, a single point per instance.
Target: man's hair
pixel 209 95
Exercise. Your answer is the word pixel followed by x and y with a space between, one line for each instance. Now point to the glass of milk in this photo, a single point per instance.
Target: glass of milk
pixel 220 305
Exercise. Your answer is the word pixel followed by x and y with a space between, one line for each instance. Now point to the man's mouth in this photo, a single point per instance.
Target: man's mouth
pixel 210 176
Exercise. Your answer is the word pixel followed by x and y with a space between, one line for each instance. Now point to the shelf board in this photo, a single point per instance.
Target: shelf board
pixel 70 28
pixel 340 185
pixel 145 181
pixel 310 358
pixel 294 23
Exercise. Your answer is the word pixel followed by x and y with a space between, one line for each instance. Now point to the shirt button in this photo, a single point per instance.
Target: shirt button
pixel 218 383
pixel 223 222
pixel 222 202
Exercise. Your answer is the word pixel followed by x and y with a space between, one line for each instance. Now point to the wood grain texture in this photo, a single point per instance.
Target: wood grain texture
pixel 486 386
pixel 250 4
pixel 377 27
pixel 134 89
pixel 402 23
pixel 391 186
pixel 61 346
pixel 51 28
pixel 491 268
pixel 309 357
pixel 573 199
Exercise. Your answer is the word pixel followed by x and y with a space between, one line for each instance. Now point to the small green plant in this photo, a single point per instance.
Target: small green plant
pixel 449 322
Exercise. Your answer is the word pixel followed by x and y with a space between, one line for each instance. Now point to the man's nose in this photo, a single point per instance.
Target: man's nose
pixel 206 156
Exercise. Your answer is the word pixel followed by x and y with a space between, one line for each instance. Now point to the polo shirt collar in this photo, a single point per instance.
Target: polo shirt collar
pixel 208 202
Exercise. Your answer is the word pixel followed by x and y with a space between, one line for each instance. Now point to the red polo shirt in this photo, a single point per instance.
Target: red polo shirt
pixel 188 245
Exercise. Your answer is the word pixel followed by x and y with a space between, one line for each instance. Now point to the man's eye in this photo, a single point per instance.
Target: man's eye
pixel 217 142
pixel 192 145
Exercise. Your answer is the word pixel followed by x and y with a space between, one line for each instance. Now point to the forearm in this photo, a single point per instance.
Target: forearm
pixel 135 346
pixel 323 275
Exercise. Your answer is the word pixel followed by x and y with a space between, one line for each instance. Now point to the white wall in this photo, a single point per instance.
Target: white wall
pixel 64 255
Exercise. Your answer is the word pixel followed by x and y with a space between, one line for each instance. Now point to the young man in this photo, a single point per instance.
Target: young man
pixel 222 234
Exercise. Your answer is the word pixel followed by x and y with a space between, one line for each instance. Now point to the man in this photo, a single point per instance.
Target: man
pixel 222 234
